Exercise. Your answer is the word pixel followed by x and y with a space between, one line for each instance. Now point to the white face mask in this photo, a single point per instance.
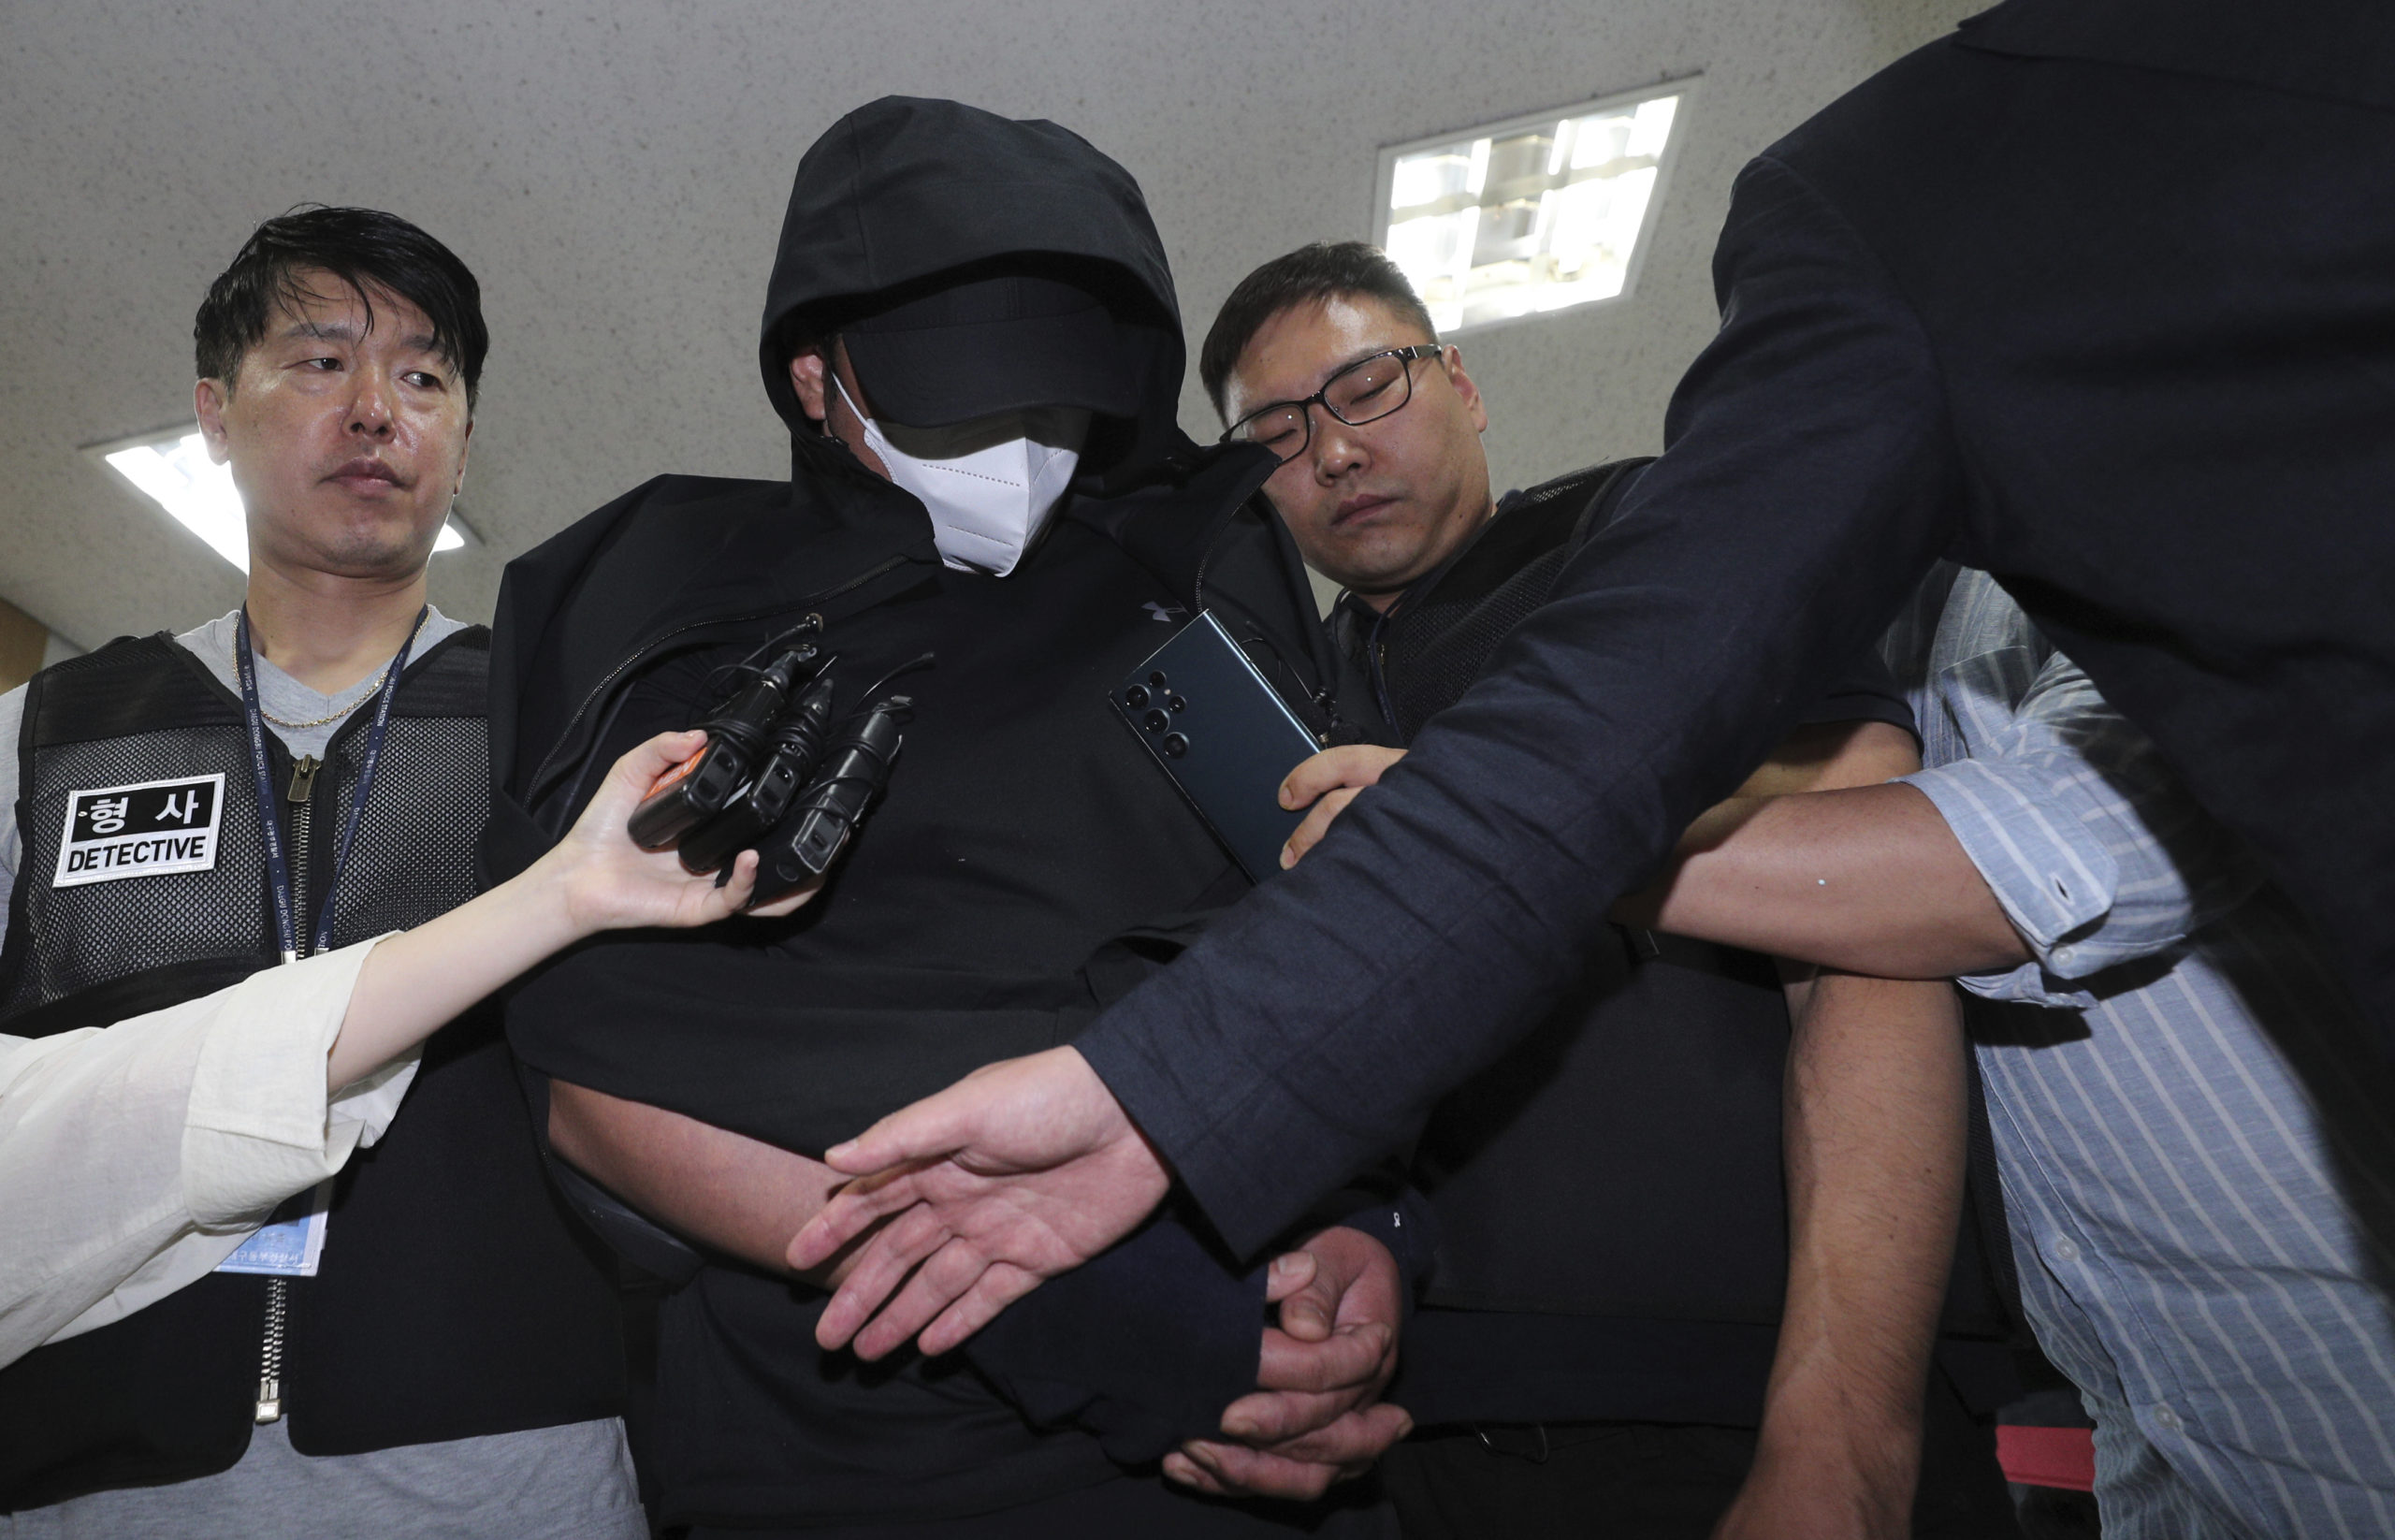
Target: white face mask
pixel 991 484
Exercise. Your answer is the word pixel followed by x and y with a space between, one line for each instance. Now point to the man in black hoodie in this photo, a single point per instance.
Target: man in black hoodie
pixel 973 336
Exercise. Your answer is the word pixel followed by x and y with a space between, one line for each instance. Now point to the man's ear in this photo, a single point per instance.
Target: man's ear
pixel 811 377
pixel 806 366
pixel 1469 393
pixel 208 399
pixel 464 445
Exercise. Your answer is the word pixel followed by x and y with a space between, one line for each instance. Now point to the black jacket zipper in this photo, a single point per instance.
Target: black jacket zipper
pixel 607 682
pixel 301 800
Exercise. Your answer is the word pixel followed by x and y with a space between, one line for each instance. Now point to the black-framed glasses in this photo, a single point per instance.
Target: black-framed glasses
pixel 1365 391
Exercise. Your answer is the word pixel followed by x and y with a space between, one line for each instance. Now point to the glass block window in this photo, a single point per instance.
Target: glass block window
pixel 1531 215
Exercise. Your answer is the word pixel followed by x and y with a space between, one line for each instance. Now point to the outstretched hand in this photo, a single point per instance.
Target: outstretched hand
pixel 1327 782
pixel 1024 1169
pixel 1314 1418
pixel 611 883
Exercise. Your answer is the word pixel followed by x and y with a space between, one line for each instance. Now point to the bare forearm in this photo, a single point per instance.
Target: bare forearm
pixel 594 880
pixel 740 1194
pixel 416 982
pixel 1874 1137
pixel 1869 879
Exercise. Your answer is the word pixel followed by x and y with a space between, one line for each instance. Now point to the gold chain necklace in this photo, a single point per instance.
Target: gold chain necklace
pixel 331 716
pixel 339 713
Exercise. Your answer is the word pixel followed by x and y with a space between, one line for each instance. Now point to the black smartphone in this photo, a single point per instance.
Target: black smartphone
pixel 1223 735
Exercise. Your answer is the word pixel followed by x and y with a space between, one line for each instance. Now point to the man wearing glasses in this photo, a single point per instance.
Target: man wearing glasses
pixel 1373 543
pixel 2080 296
pixel 1599 1331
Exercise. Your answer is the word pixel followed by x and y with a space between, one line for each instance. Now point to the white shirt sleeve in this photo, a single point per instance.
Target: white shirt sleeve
pixel 135 1157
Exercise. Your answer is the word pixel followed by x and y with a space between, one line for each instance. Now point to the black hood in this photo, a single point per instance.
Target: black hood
pixel 907 194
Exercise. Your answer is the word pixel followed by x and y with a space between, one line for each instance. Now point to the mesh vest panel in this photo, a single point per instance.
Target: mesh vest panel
pixel 80 936
pixel 414 854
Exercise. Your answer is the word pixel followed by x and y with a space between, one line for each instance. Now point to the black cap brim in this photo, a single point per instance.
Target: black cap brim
pixel 972 351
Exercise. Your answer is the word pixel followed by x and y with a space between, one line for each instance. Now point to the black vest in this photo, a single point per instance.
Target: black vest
pixel 452 1299
pixel 1623 1160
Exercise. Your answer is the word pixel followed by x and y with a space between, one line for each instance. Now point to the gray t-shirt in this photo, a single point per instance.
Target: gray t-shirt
pixel 562 1483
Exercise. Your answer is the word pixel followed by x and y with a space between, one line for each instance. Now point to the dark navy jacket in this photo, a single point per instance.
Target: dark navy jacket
pixel 2098 295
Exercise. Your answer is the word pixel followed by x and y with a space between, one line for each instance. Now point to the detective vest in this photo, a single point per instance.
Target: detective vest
pixel 452 1299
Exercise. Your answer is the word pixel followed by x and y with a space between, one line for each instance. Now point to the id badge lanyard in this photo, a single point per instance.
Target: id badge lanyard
pixel 290 1248
pixel 278 865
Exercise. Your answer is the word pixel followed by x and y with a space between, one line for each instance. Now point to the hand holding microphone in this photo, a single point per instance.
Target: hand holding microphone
pixel 768 780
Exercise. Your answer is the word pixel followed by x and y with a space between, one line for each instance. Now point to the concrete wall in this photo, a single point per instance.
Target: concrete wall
pixel 25 646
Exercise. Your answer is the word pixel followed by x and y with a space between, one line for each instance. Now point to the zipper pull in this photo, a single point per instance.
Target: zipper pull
pixel 277 1320
pixel 303 778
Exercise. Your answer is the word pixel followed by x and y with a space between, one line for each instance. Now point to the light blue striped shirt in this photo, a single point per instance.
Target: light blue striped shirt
pixel 2193 1131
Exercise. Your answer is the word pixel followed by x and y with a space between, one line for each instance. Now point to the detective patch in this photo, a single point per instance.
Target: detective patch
pixel 149 830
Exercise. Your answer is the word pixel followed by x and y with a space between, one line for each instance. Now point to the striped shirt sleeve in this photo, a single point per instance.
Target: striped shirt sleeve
pixel 2096 852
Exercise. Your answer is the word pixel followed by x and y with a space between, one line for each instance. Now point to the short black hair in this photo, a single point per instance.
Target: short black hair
pixel 1327 269
pixel 359 247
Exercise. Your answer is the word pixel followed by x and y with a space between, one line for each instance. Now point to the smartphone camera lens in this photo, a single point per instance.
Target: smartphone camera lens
pixel 1157 678
pixel 1176 703
pixel 1175 744
pixel 1136 697
pixel 1155 722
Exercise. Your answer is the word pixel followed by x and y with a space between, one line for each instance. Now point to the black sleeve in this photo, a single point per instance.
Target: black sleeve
pixel 1149 1344
pixel 1810 478
pixel 1866 692
pixel 1144 1348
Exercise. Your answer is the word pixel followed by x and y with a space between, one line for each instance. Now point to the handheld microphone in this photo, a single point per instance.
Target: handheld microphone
pixel 701 786
pixel 814 833
pixel 797 746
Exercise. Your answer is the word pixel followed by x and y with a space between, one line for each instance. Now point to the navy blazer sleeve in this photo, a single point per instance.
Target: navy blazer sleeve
pixel 1810 477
